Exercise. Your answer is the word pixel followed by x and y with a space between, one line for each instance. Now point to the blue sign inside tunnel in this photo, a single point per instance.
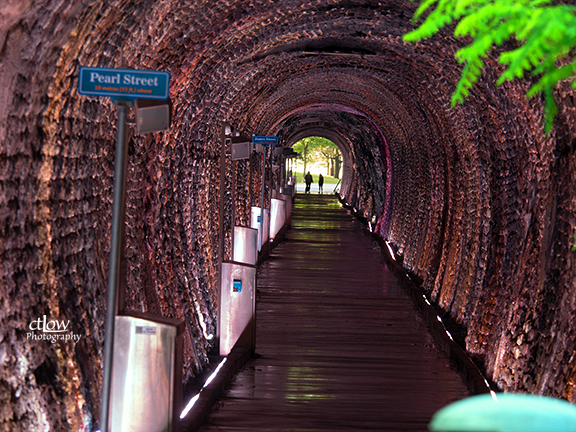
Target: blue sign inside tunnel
pixel 130 83
pixel 265 140
pixel 237 286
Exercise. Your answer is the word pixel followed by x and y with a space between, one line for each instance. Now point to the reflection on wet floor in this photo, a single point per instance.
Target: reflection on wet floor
pixel 340 344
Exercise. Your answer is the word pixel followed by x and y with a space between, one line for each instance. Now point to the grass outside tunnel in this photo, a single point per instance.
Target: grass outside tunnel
pixel 327 179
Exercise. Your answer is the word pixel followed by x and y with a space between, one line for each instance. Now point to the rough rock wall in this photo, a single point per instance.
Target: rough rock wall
pixel 50 234
pixel 478 202
pixel 495 254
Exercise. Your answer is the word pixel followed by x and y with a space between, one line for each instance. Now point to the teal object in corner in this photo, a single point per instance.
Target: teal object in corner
pixel 506 412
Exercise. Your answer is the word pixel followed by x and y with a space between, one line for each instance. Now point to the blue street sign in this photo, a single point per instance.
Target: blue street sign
pixel 124 83
pixel 265 140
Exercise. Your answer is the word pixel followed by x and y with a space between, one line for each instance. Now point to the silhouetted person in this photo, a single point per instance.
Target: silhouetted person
pixel 320 183
pixel 308 180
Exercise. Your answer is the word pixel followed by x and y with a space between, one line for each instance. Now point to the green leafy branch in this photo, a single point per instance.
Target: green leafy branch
pixel 546 35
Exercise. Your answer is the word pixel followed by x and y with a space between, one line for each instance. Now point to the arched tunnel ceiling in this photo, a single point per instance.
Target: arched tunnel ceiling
pixel 478 202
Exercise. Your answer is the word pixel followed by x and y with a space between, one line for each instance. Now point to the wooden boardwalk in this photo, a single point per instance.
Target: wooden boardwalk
pixel 340 345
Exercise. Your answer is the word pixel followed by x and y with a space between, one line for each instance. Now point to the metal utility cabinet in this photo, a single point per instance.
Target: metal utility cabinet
pixel 146 377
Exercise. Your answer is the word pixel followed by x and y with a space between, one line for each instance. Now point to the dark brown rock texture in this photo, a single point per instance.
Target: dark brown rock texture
pixel 479 203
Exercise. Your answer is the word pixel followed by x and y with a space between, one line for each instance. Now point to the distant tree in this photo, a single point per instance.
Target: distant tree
pixel 303 147
pixel 310 147
pixel 330 152
pixel 544 32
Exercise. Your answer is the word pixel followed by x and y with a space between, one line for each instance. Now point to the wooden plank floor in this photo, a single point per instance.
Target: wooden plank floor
pixel 340 344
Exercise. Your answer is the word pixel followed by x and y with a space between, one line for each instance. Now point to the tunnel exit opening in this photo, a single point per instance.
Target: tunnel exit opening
pixel 320 157
pixel 365 175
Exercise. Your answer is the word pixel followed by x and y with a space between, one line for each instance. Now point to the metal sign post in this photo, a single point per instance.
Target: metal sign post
pixel 116 243
pixel 262 195
pixel 226 129
pixel 124 86
pixel 265 141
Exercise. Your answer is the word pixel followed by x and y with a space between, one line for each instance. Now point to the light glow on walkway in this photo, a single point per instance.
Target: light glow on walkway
pixel 391 251
pixel 195 398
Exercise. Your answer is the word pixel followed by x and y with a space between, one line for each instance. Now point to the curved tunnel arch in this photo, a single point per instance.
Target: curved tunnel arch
pixel 477 201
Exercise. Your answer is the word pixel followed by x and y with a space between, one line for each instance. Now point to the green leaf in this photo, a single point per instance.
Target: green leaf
pixel 550 110
pixel 424 6
pixel 545 33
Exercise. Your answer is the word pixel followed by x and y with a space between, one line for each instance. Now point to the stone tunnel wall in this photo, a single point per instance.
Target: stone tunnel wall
pixel 478 202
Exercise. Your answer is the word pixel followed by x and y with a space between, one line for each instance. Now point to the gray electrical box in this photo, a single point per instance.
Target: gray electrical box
pixel 245 245
pixel 237 303
pixel 241 150
pixel 259 148
pixel 152 116
pixel 146 374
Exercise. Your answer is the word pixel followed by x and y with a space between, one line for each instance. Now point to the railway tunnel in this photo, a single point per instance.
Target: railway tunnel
pixel 477 201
